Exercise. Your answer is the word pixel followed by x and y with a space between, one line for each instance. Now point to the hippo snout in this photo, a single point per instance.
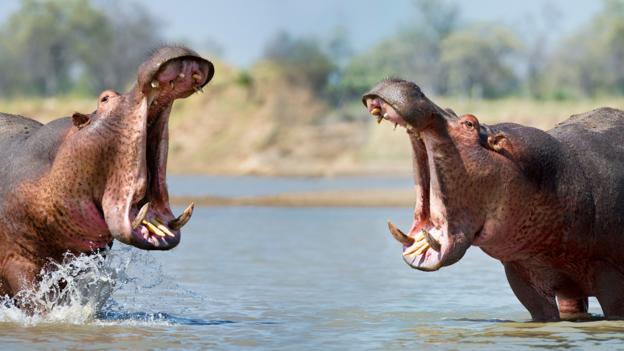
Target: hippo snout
pixel 171 66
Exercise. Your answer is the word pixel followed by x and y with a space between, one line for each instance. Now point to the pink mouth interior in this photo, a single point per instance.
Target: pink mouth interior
pixel 178 78
pixel 429 259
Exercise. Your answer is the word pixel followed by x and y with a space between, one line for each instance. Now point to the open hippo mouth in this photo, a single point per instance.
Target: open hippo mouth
pixel 147 221
pixel 428 245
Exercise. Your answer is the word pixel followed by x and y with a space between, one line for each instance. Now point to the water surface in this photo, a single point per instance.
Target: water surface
pixel 307 279
pixel 188 185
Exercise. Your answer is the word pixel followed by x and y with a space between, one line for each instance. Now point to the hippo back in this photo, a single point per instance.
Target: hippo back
pixel 597 140
pixel 13 126
pixel 26 148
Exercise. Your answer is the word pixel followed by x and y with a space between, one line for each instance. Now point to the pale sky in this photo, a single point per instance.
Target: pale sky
pixel 242 27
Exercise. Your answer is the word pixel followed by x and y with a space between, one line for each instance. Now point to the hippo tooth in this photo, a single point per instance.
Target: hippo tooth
pixel 419 237
pixel 416 248
pixel 379 119
pixel 399 235
pixel 140 216
pixel 422 250
pixel 432 241
pixel 181 75
pixel 376 111
pixel 196 77
pixel 183 218
pixel 395 125
pixel 164 228
pixel 152 228
pixel 172 85
pixel 155 84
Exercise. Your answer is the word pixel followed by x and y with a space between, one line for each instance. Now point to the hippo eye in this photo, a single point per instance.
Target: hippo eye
pixel 469 124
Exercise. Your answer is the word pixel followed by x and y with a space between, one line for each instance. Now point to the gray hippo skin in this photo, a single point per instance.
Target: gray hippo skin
pixel 75 184
pixel 548 205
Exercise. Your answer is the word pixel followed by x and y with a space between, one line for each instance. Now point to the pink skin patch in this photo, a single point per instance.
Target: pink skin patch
pixel 386 111
pixel 86 218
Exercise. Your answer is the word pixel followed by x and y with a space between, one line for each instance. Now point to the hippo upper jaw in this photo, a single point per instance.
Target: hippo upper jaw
pixel 135 202
pixel 442 230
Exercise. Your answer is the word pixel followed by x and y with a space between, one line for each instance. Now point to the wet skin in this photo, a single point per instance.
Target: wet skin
pixel 548 205
pixel 75 184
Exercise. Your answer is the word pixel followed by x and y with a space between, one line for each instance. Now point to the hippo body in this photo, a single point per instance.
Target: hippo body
pixel 580 250
pixel 548 205
pixel 75 184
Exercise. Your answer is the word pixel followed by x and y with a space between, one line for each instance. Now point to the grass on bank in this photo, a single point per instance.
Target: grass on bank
pixel 270 128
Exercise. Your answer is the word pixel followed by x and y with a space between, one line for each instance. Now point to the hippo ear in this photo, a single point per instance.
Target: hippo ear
pixel 499 143
pixel 80 120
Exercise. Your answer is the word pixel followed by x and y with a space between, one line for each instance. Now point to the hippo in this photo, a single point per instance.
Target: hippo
pixel 77 183
pixel 549 205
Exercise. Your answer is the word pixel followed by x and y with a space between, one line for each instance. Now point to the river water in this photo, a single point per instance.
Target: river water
pixel 293 279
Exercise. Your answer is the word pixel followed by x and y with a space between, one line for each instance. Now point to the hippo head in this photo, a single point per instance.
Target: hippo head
pixel 117 155
pixel 459 167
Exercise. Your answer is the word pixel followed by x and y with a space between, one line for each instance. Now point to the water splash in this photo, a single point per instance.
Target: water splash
pixel 77 289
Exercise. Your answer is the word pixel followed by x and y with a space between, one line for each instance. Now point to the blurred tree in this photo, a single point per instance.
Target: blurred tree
pixel 538 38
pixel 303 59
pixel 414 53
pixel 42 39
pixel 478 61
pixel 112 64
pixel 339 46
pixel 591 61
pixel 339 49
pixel 49 47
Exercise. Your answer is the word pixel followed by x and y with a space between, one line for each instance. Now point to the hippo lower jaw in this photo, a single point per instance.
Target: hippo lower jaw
pixel 429 245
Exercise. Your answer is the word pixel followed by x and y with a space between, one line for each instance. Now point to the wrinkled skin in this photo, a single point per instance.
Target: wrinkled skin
pixel 548 205
pixel 75 184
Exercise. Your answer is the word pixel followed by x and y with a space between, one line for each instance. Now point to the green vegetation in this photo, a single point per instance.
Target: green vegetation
pixel 488 60
pixel 71 47
pixel 79 47
pixel 298 110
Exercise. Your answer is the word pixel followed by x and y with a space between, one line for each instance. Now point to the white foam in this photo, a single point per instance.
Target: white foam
pixel 75 290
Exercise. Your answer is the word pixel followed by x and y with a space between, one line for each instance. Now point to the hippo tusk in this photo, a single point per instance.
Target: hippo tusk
pixel 399 235
pixel 140 216
pixel 179 222
pixel 155 84
pixel 196 77
pixel 432 241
